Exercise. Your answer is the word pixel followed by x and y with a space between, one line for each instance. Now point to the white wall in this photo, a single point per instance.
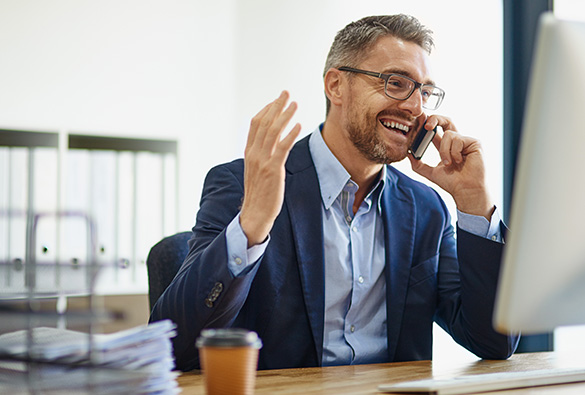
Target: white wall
pixel 198 71
pixel 570 9
pixel 155 69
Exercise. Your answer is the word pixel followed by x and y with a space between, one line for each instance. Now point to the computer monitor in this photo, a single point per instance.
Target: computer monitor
pixel 542 282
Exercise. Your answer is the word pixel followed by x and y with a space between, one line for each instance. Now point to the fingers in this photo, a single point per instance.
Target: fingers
pixel 419 167
pixel 457 148
pixel 438 120
pixel 267 126
pixel 254 124
pixel 272 122
pixel 452 147
pixel 286 144
pixel 280 123
pixel 263 119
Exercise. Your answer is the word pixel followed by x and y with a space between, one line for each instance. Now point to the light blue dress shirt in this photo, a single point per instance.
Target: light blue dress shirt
pixel 355 287
pixel 355 329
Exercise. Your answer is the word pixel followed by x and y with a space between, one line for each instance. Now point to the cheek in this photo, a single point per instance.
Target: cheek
pixel 377 102
pixel 368 101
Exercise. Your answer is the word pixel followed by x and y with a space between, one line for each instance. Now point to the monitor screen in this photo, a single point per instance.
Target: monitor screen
pixel 542 281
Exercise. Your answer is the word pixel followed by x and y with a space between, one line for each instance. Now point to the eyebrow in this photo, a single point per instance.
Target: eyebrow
pixel 407 74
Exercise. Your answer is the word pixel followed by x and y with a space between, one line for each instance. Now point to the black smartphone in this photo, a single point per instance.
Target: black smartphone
pixel 421 141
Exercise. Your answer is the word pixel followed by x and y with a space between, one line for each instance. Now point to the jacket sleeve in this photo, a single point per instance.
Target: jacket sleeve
pixel 204 293
pixel 466 305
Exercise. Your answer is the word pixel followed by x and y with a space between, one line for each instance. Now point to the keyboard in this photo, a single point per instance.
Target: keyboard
pixel 471 384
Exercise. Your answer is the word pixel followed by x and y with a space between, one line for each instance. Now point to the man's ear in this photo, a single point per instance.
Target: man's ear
pixel 333 86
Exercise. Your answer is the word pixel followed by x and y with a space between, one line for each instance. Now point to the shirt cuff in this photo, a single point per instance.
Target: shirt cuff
pixel 241 258
pixel 480 226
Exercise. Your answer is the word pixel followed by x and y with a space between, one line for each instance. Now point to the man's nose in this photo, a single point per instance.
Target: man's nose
pixel 413 104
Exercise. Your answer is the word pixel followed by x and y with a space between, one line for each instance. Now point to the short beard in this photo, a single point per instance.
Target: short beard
pixel 364 137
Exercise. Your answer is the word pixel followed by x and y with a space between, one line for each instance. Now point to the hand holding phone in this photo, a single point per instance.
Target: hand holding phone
pixel 421 142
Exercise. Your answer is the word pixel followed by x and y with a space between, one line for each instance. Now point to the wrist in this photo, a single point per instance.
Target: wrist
pixel 476 204
pixel 256 233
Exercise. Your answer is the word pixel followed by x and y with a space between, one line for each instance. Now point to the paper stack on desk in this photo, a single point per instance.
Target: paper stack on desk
pixel 134 361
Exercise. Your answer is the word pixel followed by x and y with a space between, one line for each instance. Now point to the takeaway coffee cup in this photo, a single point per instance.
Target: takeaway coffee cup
pixel 229 359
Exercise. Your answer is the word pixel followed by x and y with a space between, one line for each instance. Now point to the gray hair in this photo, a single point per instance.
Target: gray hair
pixel 353 42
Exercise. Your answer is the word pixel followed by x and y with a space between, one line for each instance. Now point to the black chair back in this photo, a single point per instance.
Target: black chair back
pixel 163 262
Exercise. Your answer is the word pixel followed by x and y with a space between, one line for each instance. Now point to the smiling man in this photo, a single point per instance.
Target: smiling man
pixel 331 255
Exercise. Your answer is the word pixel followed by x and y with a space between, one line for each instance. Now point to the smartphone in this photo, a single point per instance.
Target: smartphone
pixel 421 141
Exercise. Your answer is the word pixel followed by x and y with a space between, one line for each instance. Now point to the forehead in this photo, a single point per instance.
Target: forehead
pixel 391 54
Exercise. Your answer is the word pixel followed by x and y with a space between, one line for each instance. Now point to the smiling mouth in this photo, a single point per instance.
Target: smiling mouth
pixel 396 126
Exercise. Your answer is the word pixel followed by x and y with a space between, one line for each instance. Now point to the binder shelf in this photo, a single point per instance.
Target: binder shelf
pixel 126 186
pixel 78 215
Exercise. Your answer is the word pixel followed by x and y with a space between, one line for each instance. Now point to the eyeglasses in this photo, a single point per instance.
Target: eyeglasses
pixel 401 87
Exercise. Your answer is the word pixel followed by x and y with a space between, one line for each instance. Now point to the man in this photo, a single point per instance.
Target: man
pixel 330 255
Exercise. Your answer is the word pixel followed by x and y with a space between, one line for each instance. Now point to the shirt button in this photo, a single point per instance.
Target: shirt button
pixel 355 229
pixel 361 279
pixel 494 238
pixel 348 218
pixel 238 260
pixel 352 329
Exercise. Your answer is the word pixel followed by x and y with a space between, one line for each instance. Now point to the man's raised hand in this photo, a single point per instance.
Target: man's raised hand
pixel 264 174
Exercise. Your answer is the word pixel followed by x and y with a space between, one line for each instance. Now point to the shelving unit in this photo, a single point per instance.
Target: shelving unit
pixel 78 215
pixel 127 187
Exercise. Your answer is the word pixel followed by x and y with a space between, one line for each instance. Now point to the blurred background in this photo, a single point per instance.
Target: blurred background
pixel 194 73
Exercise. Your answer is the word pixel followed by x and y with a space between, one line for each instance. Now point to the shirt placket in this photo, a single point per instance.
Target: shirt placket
pixel 356 246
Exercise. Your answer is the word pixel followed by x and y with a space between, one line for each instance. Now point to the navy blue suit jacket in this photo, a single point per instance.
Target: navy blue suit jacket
pixel 430 275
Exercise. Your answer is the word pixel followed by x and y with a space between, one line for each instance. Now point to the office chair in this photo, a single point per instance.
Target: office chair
pixel 163 263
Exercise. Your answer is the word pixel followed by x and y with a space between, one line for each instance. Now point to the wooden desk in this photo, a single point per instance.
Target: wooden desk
pixel 364 379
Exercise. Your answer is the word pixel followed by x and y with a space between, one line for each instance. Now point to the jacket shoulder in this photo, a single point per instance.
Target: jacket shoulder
pixel 417 188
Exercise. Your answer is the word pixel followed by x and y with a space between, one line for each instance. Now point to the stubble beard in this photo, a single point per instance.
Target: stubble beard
pixel 363 133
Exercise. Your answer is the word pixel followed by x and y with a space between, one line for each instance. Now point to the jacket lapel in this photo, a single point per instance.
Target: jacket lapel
pixel 399 216
pixel 303 202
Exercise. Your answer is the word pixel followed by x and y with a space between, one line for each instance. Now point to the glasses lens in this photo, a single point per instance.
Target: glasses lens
pixel 400 87
pixel 432 96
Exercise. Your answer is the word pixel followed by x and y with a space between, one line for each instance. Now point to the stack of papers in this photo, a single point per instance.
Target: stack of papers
pixel 134 361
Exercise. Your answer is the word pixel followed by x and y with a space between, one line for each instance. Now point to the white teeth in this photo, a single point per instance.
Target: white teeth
pixel 396 125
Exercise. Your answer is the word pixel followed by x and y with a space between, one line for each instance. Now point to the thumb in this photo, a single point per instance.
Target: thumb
pixel 419 167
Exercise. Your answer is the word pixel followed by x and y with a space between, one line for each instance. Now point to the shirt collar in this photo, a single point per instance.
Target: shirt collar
pixel 331 174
